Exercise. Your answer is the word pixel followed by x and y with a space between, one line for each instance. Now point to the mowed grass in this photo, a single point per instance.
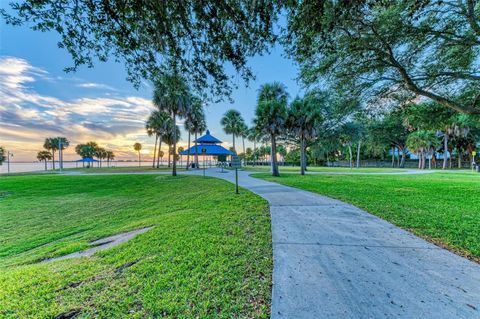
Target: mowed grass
pixel 121 169
pixel 209 254
pixel 324 169
pixel 442 207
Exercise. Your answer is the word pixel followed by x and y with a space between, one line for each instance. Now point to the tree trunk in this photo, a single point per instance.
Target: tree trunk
pixel 358 153
pixel 445 150
pixel 45 164
pixel 274 156
pixel 159 150
pixel 196 151
pixel 351 155
pixel 302 155
pixel 459 158
pixel 244 155
pixel 254 152
pixel 169 155
pixel 188 154
pixel 155 151
pixel 53 159
pixel 234 149
pixel 174 168
pixel 393 156
pixel 430 161
pixel 402 161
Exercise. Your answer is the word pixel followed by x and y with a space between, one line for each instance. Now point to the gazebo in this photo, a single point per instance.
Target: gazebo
pixel 84 160
pixel 207 145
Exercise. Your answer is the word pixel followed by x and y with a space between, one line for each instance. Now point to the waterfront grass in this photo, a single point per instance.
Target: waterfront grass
pixel 208 255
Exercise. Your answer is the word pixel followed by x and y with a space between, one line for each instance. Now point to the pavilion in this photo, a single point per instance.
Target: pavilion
pixel 84 160
pixel 207 145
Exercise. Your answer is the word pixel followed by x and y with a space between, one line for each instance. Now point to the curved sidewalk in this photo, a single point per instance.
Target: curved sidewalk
pixel 333 260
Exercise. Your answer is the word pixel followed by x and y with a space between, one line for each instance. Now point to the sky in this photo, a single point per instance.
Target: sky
pixel 38 99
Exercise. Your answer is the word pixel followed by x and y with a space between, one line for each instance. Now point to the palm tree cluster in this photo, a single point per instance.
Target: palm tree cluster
pixel 173 99
pixel 325 126
pixel 52 145
pixel 91 150
pixel 195 123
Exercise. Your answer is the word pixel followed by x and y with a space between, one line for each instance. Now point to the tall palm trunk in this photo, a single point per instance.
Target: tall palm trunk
pixel 45 164
pixel 402 161
pixel 445 150
pixel 196 151
pixel 53 159
pixel 393 156
pixel 159 150
pixel 254 152
pixel 234 149
pixel 155 151
pixel 188 154
pixel 302 155
pixel 170 155
pixel 174 168
pixel 459 158
pixel 351 155
pixel 358 153
pixel 273 155
pixel 244 155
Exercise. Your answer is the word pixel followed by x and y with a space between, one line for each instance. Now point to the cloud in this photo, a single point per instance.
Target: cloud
pixel 91 85
pixel 28 116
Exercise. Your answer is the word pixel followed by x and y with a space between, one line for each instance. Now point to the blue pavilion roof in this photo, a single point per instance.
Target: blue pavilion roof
pixel 87 159
pixel 208 139
pixel 211 149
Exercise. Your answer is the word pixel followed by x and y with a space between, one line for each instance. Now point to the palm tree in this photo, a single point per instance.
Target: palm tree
pixel 158 123
pixel 172 95
pixel 254 136
pixel 2 155
pixel 303 119
pixel 171 138
pixel 109 156
pixel 195 123
pixel 152 131
pixel 138 147
pixel 52 144
pixel 243 134
pixel 271 116
pixel 86 150
pixel 100 153
pixel 44 156
pixel 233 123
pixel 422 142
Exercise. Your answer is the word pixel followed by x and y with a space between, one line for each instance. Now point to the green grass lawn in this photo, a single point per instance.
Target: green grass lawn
pixel 292 169
pixel 208 255
pixel 122 169
pixel 442 207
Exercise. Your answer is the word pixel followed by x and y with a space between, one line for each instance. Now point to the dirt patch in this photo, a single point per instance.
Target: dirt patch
pixel 120 269
pixel 102 244
pixel 68 314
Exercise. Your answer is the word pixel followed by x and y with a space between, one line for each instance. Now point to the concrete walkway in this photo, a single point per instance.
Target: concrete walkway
pixel 333 260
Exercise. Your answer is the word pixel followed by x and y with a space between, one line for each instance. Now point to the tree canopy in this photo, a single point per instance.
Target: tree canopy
pixel 390 49
pixel 196 38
